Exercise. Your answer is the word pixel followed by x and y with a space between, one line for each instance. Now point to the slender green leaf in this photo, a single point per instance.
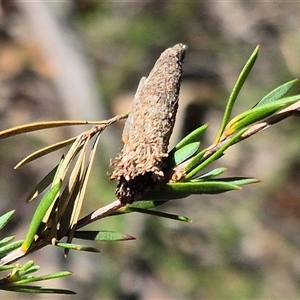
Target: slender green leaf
pixel 236 89
pixel 44 277
pixel 47 221
pixel 77 247
pixel 182 154
pixel 34 289
pixel 238 180
pixel 195 161
pixel 194 136
pixel 161 214
pixel 104 236
pixel 210 175
pixel 4 219
pixel 6 267
pixel 6 240
pixel 39 215
pixel 10 247
pixel 32 269
pixel 277 93
pixel 27 265
pixel 258 113
pixel 206 187
pixel 144 204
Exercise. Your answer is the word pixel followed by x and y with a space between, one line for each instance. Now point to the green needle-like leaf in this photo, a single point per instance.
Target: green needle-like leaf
pixel 194 136
pixel 277 93
pixel 104 236
pixel 195 161
pixel 10 247
pixel 210 175
pixel 240 181
pixel 77 247
pixel 182 154
pixel 31 270
pixel 4 219
pixel 28 265
pixel 206 187
pixel 6 268
pixel 39 214
pixel 6 240
pixel 258 113
pixel 161 214
pixel 236 89
pixel 145 204
pixel 44 277
pixel 34 289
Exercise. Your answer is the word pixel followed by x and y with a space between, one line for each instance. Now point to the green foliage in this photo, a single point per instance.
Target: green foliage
pixel 235 91
pixel 4 219
pixel 39 214
pixel 188 170
pixel 19 276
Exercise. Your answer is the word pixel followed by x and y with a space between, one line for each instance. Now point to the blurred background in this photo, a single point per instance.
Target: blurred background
pixel 83 60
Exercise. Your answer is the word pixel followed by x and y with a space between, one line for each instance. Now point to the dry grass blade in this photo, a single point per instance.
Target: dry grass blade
pixel 44 151
pixel 78 172
pixel 69 195
pixel 73 151
pixel 100 125
pixel 85 178
pixel 80 196
pixel 53 124
pixel 76 207
pixel 63 170
pixel 39 126
pixel 66 205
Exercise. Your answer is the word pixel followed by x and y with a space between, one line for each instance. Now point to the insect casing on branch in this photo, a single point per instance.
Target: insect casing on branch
pixel 149 127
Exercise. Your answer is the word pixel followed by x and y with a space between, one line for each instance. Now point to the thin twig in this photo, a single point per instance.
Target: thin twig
pixel 100 213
